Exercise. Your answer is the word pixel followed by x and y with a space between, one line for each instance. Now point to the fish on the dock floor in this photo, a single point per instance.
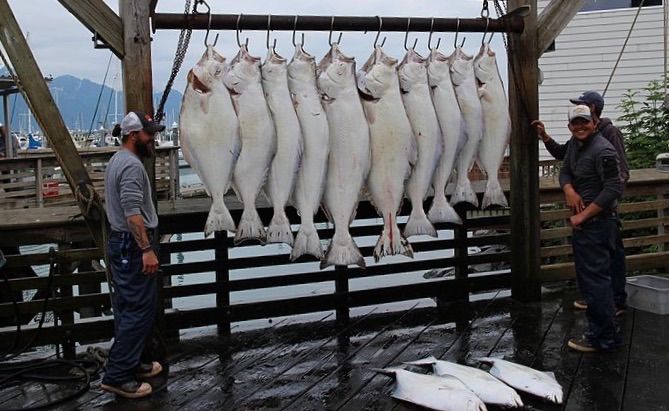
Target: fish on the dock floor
pixel 526 379
pixel 393 147
pixel 209 133
pixel 437 393
pixel 349 159
pixel 258 140
pixel 316 134
pixel 488 388
pixel 496 124
pixel 286 162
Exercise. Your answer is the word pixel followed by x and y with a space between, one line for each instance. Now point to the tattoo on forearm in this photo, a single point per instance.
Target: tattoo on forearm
pixel 139 233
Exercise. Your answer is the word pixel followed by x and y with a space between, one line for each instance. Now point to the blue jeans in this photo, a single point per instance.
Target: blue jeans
pixel 595 247
pixel 134 303
pixel 618 273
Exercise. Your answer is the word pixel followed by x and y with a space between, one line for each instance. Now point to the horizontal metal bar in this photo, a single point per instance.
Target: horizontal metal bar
pixel 177 21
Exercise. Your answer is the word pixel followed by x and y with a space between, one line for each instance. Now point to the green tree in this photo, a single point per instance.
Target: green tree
pixel 645 125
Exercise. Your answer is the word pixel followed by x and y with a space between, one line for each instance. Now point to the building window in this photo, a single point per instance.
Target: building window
pixel 593 5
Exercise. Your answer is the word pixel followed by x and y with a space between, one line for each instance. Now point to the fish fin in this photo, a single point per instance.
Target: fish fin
pixel 413 153
pixel 219 218
pixel 484 94
pixel 307 242
pixel 327 213
pixel 464 193
pixel 442 212
pixel 550 374
pixel 391 242
pixel 250 227
pixel 279 230
pixel 494 195
pixel 418 224
pixel 425 361
pixel 343 251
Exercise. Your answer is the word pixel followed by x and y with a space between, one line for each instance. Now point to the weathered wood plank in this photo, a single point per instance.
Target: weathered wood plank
pixel 553 19
pixel 565 271
pixel 100 20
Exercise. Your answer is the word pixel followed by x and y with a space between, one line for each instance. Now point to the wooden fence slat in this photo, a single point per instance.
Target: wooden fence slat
pixel 565 271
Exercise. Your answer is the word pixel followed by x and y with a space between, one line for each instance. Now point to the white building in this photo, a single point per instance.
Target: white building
pixel 586 52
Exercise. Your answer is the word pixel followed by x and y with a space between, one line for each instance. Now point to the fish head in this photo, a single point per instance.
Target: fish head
pixel 208 71
pixel 244 69
pixel 485 64
pixel 378 74
pixel 462 67
pixel 336 73
pixel 412 70
pixel 302 66
pixel 438 68
pixel 274 67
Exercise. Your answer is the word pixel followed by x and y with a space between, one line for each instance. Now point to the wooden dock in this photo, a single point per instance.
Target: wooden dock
pixel 321 367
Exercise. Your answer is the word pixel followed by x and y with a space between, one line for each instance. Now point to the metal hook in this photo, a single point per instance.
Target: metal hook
pixel 378 33
pixel 457 32
pixel 294 28
pixel 206 36
pixel 269 22
pixel 486 32
pixel 237 31
pixel 330 35
pixel 429 37
pixel 406 37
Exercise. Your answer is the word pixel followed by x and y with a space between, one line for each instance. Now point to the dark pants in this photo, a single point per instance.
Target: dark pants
pixel 594 255
pixel 134 304
pixel 618 273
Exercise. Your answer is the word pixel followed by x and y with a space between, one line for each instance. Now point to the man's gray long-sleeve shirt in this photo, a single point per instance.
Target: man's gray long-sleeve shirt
pixel 128 192
pixel 591 167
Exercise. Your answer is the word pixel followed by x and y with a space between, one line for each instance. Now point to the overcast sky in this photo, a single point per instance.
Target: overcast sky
pixel 62 45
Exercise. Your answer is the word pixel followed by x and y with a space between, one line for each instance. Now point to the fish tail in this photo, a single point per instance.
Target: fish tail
pixel 464 193
pixel 343 251
pixel 279 229
pixel 250 227
pixel 425 361
pixel 418 224
pixel 219 218
pixel 494 195
pixel 391 241
pixel 442 212
pixel 307 242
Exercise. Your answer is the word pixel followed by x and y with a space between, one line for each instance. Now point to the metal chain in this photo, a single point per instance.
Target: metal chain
pixel 182 47
pixel 485 12
pixel 500 13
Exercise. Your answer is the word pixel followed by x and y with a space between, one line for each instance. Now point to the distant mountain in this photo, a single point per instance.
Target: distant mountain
pixel 77 100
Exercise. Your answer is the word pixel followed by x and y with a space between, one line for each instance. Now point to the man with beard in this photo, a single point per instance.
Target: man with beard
pixel 132 259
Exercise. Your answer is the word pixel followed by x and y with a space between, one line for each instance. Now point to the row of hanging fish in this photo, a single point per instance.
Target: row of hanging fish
pixel 456 387
pixel 321 134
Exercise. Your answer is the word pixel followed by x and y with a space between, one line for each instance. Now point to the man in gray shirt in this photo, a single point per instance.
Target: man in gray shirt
pixel 132 260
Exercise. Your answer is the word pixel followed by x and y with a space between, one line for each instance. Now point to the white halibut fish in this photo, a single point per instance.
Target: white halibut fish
pixel 311 176
pixel 464 83
pixel 209 134
pixel 286 162
pixel 539 383
pixel 496 124
pixel 488 388
pixel 437 393
pixel 258 138
pixel 349 159
pixel 418 105
pixel 392 145
pixel 452 132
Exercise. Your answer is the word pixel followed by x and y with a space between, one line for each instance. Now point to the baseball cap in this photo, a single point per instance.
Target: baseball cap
pixel 136 121
pixel 580 111
pixel 590 97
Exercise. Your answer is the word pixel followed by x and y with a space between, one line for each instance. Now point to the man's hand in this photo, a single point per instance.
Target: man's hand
pixel 576 220
pixel 573 200
pixel 149 262
pixel 541 130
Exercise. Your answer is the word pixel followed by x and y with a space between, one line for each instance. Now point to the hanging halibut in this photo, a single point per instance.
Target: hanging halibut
pixel 311 176
pixel 496 124
pixel 539 383
pixel 392 146
pixel 453 136
pixel 349 159
pixel 488 388
pixel 437 393
pixel 464 83
pixel 418 105
pixel 258 140
pixel 283 170
pixel 209 134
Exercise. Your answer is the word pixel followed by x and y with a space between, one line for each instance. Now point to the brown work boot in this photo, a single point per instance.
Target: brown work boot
pixel 580 304
pixel 581 344
pixel 130 389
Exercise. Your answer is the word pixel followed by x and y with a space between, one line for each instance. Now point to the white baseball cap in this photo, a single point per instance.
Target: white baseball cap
pixel 136 121
pixel 580 111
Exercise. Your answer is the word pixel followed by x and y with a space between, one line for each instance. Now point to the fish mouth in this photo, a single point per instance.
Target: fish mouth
pixel 326 98
pixel 365 95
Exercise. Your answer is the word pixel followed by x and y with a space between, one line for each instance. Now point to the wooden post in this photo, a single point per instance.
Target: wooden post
pixel 9 146
pixel 341 291
pixel 222 283
pixel 39 191
pixel 553 19
pixel 37 95
pixel 524 107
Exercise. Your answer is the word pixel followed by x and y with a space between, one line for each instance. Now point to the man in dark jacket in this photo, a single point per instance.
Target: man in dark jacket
pixel 605 127
pixel 589 178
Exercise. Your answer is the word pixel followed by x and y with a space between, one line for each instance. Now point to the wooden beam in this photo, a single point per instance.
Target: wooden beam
pixel 137 71
pixel 37 95
pixel 100 19
pixel 524 107
pixel 553 19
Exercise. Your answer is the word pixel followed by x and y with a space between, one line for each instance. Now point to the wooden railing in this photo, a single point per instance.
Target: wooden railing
pixel 35 178
pixel 279 287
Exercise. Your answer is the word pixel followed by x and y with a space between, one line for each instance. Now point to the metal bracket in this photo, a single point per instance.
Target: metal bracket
pixel 98 43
